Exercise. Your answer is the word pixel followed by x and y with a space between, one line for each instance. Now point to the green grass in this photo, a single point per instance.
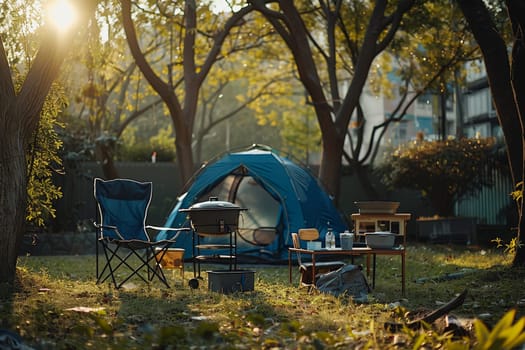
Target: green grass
pixel 276 315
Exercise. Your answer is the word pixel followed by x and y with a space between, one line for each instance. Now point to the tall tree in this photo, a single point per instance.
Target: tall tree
pixel 333 106
pixel 198 39
pixel 506 76
pixel 20 111
pixel 334 45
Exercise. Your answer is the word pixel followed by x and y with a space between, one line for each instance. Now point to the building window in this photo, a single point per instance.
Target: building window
pixel 478 103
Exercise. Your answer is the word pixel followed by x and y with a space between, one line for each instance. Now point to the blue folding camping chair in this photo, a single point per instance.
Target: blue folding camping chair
pixel 122 206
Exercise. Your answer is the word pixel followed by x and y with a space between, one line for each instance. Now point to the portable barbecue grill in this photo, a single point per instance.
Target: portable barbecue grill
pixel 214 225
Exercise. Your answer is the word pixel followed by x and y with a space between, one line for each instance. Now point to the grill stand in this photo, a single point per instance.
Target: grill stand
pixel 199 258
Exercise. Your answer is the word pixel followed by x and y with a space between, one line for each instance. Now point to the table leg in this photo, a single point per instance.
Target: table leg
pixel 313 269
pixel 289 267
pixel 374 272
pixel 403 274
pixel 194 255
pixel 368 265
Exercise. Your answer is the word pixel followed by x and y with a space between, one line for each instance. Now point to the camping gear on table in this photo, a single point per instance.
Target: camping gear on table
pixel 306 267
pixel 377 207
pixel 380 240
pixel 347 240
pixel 281 197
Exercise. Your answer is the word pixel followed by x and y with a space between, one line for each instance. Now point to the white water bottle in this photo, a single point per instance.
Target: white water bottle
pixel 329 239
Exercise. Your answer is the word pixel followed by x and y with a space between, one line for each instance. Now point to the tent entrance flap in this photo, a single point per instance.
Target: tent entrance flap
pixel 263 209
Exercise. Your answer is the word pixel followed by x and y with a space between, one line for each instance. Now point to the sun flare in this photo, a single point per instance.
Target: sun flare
pixel 62 14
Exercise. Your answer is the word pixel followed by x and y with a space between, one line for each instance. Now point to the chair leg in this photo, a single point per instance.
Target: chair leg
pixel 109 255
pixel 156 270
pixel 121 262
pixel 149 261
pixel 181 271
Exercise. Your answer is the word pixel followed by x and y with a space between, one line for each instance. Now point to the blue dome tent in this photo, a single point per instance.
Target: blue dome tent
pixel 281 197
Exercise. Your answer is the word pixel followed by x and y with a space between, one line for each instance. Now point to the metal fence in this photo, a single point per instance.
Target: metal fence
pixel 493 205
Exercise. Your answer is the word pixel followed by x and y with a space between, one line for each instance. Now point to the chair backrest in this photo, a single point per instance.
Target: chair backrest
pixel 124 204
pixel 297 244
pixel 308 234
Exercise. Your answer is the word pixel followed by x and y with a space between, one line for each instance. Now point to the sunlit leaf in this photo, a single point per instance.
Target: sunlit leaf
pixel 481 331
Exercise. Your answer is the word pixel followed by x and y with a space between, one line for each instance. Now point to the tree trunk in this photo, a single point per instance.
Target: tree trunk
pixel 330 169
pixel 184 155
pixel 506 85
pixel 364 175
pixel 442 202
pixel 104 151
pixel 516 9
pixel 497 65
pixel 13 204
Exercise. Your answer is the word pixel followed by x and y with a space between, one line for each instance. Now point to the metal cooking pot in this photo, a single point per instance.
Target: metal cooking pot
pixel 214 217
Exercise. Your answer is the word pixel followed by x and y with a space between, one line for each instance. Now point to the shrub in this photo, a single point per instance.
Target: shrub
pixel 444 171
pixel 142 152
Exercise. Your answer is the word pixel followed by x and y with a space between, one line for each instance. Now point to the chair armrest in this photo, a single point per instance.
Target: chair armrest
pixel 108 227
pixel 178 230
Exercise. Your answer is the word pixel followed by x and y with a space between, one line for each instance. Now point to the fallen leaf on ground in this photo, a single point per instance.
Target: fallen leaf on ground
pixel 85 309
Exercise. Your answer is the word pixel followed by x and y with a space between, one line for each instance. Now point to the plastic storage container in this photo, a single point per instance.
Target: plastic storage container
pixel 380 240
pixel 347 240
pixel 230 281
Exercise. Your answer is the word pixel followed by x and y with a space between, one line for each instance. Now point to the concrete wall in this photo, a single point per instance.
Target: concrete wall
pixel 78 205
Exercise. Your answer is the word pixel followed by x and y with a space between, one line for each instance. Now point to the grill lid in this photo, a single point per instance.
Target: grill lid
pixel 213 204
